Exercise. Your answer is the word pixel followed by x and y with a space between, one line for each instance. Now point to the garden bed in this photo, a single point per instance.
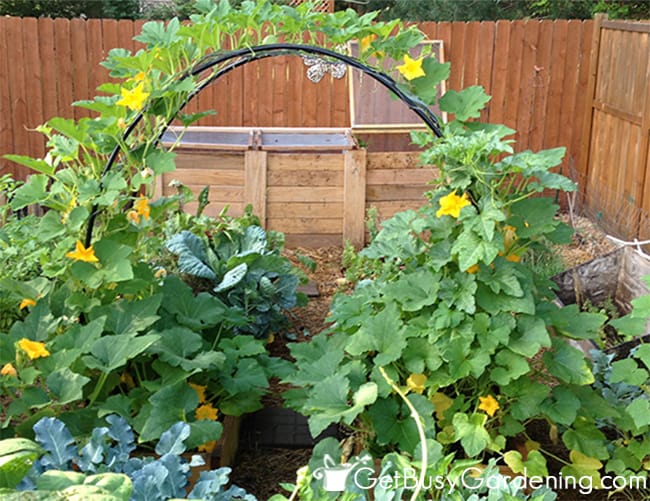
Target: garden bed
pixel 261 467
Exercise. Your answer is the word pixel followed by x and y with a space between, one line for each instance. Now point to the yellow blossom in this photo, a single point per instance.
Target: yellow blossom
pixel 513 258
pixel 26 302
pixel 142 207
pixel 450 205
pixel 83 254
pixel 364 43
pixel 146 172
pixel 140 76
pixel 200 391
pixel 208 447
pixel 415 382
pixel 121 123
pixel 133 217
pixel 412 68
pixel 33 349
pixel 509 236
pixel 488 404
pixel 472 269
pixel 206 411
pixel 135 98
pixel 8 370
pixel 441 402
pixel 127 379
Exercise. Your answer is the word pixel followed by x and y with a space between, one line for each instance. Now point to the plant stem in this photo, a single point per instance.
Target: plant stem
pixel 98 388
pixel 418 423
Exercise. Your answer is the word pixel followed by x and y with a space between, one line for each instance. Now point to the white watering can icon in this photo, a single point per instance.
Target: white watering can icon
pixel 335 475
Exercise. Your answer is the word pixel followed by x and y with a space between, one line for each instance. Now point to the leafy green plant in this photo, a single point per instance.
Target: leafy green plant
pixel 245 270
pixel 448 307
pixel 106 466
pixel 95 322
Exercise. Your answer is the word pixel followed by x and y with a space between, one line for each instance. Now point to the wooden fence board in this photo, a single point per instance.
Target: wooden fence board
pixel 513 85
pixel 17 61
pixel 486 56
pixel 47 55
pixel 499 80
pixel 527 83
pixel 65 72
pixel 541 85
pixel 6 126
pixel 33 85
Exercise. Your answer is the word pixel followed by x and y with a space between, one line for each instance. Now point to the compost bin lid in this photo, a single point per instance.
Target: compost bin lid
pixel 267 138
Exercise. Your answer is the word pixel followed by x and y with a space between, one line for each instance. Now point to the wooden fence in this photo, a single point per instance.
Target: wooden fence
pixel 616 160
pixel 536 71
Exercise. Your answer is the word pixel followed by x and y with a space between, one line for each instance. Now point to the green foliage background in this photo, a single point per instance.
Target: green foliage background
pixel 474 10
pixel 118 9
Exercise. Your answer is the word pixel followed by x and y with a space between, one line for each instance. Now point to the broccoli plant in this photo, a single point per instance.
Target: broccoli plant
pixel 55 466
pixel 243 267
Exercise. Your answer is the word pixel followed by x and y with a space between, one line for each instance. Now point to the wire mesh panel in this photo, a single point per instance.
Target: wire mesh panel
pixel 319 5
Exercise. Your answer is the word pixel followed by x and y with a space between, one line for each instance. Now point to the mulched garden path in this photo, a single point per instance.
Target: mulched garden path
pixel 260 470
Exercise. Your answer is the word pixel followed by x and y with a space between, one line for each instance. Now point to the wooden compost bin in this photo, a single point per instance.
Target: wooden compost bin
pixel 314 185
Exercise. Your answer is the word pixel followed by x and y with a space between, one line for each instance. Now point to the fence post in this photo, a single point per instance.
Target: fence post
pixel 354 197
pixel 255 182
pixel 589 108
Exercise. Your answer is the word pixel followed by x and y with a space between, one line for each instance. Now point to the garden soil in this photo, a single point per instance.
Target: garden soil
pixel 261 470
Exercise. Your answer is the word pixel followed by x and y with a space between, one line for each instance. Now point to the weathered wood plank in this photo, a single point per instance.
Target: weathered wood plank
pixel 394 160
pixel 216 177
pixel 186 159
pixel 354 197
pixel 255 182
pixel 305 225
pixel 312 240
pixel 318 194
pixel 400 176
pixel 305 178
pixel 305 161
pixel 394 193
pixel 304 209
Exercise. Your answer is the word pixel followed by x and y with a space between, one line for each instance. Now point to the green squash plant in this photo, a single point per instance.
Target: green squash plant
pixel 445 305
pixel 96 321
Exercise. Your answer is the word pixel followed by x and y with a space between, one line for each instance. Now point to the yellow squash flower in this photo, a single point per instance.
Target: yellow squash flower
pixel 133 217
pixel 513 258
pixel 509 236
pixel 200 391
pixel 33 349
pixel 206 411
pixel 412 68
pixel 207 447
pixel 415 382
pixel 135 98
pixel 140 76
pixel 142 207
pixel 472 269
pixel 8 370
pixel 26 302
pixel 450 205
pixel 83 254
pixel 441 402
pixel 489 405
pixel 364 43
